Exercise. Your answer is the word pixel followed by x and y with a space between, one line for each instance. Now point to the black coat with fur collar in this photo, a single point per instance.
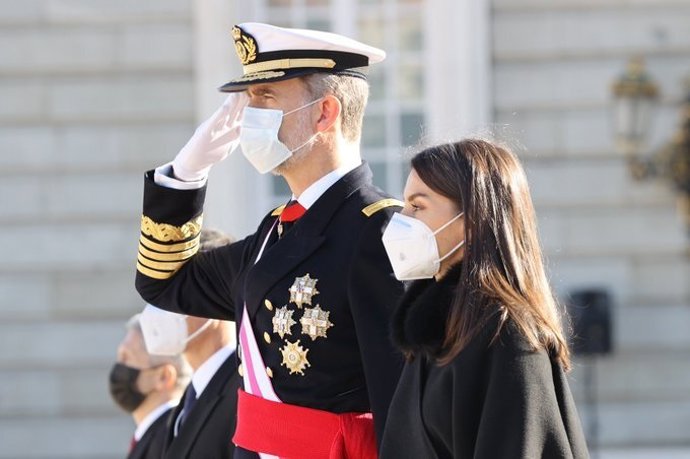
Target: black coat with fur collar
pixel 494 400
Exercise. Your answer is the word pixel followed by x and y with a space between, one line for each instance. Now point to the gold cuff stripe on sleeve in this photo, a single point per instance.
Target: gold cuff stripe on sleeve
pixel 371 209
pixel 281 64
pixel 169 248
pixel 157 256
pixel 165 233
pixel 160 275
pixel 160 265
pixel 277 211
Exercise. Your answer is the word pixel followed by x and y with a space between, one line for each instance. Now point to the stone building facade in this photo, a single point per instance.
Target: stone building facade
pixel 94 92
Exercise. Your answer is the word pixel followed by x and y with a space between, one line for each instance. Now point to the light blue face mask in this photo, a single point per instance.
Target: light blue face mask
pixel 259 137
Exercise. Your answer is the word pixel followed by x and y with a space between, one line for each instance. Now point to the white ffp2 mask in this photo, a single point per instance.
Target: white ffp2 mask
pixel 259 137
pixel 166 333
pixel 411 247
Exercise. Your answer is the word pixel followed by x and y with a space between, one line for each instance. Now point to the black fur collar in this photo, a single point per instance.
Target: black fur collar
pixel 419 322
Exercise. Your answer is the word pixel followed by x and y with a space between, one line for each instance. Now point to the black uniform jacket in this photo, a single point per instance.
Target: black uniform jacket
pixel 319 299
pixel 208 428
pixel 150 445
pixel 497 399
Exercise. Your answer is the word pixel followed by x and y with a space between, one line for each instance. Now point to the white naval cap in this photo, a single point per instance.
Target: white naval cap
pixel 269 53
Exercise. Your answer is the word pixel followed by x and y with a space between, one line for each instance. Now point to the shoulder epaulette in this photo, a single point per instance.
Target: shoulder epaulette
pixel 277 211
pixel 371 209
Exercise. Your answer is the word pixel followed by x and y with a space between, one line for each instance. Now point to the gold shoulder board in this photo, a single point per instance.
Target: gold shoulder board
pixel 371 209
pixel 277 211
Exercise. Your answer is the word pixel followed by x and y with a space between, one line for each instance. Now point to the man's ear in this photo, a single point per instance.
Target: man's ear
pixel 330 109
pixel 166 377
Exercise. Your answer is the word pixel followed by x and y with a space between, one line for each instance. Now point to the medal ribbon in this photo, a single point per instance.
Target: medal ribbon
pixel 256 381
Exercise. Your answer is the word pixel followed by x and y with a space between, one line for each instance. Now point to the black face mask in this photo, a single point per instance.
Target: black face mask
pixel 123 387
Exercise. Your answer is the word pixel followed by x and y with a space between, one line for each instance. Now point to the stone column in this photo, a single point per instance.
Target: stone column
pixel 458 68
pixel 236 198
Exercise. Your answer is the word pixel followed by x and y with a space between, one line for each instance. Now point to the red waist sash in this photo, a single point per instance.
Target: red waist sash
pixel 295 432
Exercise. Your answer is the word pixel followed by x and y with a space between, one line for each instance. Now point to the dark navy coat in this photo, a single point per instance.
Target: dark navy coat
pixel 351 364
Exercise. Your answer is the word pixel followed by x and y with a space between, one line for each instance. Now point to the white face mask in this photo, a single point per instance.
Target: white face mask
pixel 259 137
pixel 166 333
pixel 412 249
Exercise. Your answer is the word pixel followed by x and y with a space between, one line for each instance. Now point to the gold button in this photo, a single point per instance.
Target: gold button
pixel 268 305
pixel 267 338
pixel 269 372
pixel 240 370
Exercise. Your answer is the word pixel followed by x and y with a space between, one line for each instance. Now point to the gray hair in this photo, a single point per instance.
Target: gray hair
pixel 352 92
pixel 184 370
pixel 212 238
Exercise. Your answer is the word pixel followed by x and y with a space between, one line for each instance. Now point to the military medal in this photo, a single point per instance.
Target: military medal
pixel 315 322
pixel 302 290
pixel 282 321
pixel 295 357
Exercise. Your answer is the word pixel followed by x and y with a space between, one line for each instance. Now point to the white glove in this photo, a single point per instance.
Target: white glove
pixel 212 141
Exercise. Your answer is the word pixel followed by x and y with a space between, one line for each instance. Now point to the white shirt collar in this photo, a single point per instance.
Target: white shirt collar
pixel 205 372
pixel 316 189
pixel 150 418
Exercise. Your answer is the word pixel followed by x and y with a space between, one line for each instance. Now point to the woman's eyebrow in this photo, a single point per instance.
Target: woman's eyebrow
pixel 416 195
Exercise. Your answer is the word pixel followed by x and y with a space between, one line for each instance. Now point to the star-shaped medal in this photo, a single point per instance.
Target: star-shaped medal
pixel 302 290
pixel 315 322
pixel 282 321
pixel 295 357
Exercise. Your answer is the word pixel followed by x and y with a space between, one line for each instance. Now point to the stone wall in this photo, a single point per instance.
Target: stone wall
pixel 92 93
pixel 553 65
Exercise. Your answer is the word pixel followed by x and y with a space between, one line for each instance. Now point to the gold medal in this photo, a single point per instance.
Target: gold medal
pixel 282 321
pixel 295 357
pixel 315 322
pixel 302 290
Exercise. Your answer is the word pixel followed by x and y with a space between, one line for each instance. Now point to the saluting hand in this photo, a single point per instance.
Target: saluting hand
pixel 212 141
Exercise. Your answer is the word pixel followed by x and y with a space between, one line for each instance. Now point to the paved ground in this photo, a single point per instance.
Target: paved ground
pixel 643 453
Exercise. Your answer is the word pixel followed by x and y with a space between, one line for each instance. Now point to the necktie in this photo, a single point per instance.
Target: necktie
pixel 188 404
pixel 132 444
pixel 290 214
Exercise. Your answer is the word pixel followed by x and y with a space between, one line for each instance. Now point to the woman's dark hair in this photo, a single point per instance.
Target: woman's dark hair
pixel 502 269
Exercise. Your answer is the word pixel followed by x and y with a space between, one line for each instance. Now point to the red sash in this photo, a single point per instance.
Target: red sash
pixel 295 432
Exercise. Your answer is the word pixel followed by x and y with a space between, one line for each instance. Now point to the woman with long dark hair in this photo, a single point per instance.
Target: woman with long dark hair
pixel 486 353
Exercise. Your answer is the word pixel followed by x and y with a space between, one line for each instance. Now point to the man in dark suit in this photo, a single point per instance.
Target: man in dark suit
pixel 148 387
pixel 204 427
pixel 312 289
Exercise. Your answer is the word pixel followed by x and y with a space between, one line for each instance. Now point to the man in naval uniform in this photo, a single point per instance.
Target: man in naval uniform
pixel 312 289
pixel 203 424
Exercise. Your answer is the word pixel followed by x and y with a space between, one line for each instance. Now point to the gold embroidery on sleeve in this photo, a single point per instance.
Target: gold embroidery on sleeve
pixel 166 233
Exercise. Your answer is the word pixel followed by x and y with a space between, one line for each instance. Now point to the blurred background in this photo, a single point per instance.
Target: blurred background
pixel 95 92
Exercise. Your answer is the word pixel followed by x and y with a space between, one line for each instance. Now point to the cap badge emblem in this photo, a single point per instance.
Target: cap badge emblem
pixel 245 45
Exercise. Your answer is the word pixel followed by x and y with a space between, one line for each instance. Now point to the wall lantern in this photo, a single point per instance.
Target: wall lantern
pixel 635 96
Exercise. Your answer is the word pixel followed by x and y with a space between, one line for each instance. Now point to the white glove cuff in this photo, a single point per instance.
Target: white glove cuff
pixel 163 176
pixel 187 175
